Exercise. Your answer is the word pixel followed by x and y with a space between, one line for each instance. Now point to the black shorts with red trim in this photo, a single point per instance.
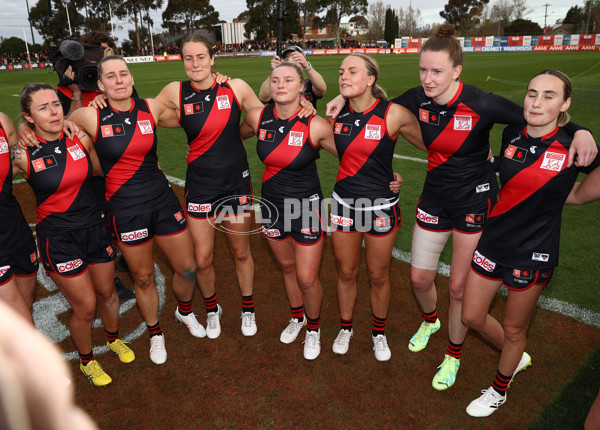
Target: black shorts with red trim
pixel 133 230
pixel 68 253
pixel 514 278
pixel 234 202
pixel 298 218
pixel 365 219
pixel 469 219
pixel 22 261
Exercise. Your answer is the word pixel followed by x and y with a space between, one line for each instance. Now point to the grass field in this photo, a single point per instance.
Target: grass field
pixel 575 281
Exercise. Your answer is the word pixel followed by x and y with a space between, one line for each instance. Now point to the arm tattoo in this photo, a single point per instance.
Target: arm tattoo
pixel 15 152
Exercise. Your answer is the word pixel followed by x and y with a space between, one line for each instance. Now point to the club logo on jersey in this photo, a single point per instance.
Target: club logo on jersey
pixel 112 130
pixel 553 161
pixel 463 122
pixel 482 261
pixel 223 102
pixel 33 257
pixel 43 163
pixel 199 207
pixel 270 232
pixel 110 250
pixel 76 152
pixel 192 108
pixel 296 138
pixel 244 200
pixel 266 135
pixel 383 224
pixel 130 236
pixel 3 270
pixel 69 265
pixel 3 145
pixel 474 218
pixel 373 132
pixel 341 221
pixel 178 215
pixel 344 129
pixel 307 96
pixel 426 218
pixel 145 126
pixel 429 117
pixel 539 256
pixel 515 153
pixel 482 188
pixel 522 274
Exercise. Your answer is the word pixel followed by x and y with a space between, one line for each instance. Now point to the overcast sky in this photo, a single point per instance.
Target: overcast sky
pixel 13 13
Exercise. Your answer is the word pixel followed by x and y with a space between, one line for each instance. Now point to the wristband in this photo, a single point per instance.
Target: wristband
pixel 77 98
pixel 309 67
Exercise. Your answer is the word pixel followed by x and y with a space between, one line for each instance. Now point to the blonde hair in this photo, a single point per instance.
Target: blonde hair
pixel 372 70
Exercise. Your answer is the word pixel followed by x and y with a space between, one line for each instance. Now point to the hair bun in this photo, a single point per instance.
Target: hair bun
pixel 445 30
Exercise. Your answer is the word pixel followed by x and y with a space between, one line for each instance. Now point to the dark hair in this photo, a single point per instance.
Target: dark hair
pixel 197 38
pixel 372 70
pixel 443 40
pixel 97 38
pixel 288 50
pixel 563 117
pixel 26 97
pixel 109 58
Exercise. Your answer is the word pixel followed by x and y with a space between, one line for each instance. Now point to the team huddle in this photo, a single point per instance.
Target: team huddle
pixel 506 235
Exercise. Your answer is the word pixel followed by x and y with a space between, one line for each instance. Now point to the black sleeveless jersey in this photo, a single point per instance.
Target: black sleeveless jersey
pixel 365 151
pixel 284 146
pixel 216 160
pixel 126 146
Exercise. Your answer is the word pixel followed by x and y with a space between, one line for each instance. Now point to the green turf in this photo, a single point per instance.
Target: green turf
pixel 574 282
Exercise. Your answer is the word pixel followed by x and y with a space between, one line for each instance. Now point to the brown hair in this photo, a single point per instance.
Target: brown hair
pixel 292 65
pixel 197 38
pixel 109 58
pixel 443 40
pixel 563 117
pixel 372 70
pixel 97 38
pixel 26 97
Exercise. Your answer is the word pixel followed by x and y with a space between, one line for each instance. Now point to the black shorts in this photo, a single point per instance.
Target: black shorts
pixel 374 222
pixel 68 253
pixel 516 279
pixel 300 219
pixel 23 261
pixel 133 230
pixel 234 202
pixel 469 219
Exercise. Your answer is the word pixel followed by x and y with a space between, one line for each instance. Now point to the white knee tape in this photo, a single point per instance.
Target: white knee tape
pixel 427 246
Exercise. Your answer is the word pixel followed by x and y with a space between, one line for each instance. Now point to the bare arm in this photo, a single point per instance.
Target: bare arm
pixel 18 157
pixel 335 106
pixel 249 126
pixel 585 147
pixel 264 94
pixel 163 116
pixel 587 190
pixel 402 121
pixel 245 95
pixel 321 134
pixel 169 96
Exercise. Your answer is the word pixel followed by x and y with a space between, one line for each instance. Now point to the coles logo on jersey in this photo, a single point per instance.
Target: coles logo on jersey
pixel 69 265
pixel 145 126
pixel 474 218
pixel 43 163
pixel 515 153
pixel 3 270
pixel 223 102
pixel 112 130
pixel 343 129
pixel 266 135
pixel 482 188
pixel 425 217
pixel 193 108
pixel 296 138
pixel 341 221
pixel 429 117
pixel 130 236
pixel 270 232
pixel 3 145
pixel 482 261
pixel 522 274
pixel 76 152
pixel 373 132
pixel 553 161
pixel 539 256
pixel 463 122
pixel 199 207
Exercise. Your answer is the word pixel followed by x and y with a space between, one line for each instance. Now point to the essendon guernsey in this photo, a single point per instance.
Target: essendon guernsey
pixel 126 146
pixel 365 151
pixel 60 173
pixel 15 230
pixel 523 229
pixel 284 146
pixel 217 160
pixel 457 138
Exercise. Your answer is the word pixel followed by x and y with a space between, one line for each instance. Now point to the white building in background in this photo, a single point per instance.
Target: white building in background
pixel 229 33
pixel 352 29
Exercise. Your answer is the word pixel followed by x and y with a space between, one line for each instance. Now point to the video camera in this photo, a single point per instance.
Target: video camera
pixel 83 59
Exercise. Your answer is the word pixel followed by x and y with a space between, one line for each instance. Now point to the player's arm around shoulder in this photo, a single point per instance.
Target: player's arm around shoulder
pixel 400 120
pixel 169 95
pixel 86 118
pixel 249 126
pixel 321 135
pixel 245 94
pixel 18 155
pixel 163 115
